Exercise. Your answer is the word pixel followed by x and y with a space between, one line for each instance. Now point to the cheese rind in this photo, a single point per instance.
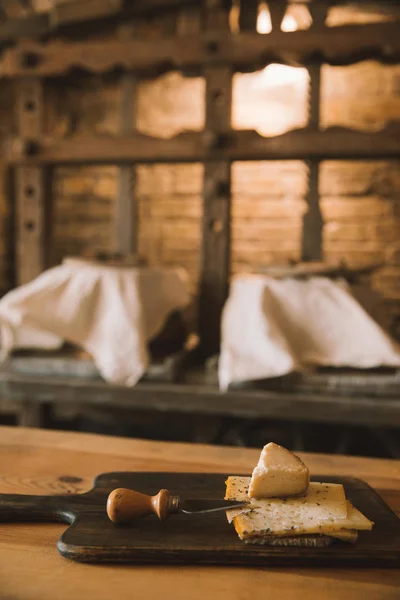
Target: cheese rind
pixel 279 472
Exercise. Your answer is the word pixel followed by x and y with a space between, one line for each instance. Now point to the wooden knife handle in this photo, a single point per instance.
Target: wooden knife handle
pixel 126 505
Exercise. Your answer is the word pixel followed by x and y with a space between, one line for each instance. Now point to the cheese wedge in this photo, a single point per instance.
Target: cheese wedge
pixel 279 472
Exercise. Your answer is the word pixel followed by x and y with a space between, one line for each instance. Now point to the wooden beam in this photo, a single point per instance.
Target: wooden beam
pixel 48 23
pixel 72 11
pixel 32 26
pixel 331 407
pixel 301 144
pixel 146 6
pixel 243 51
pixel 32 189
pixel 15 9
pixel 215 258
pixel 189 22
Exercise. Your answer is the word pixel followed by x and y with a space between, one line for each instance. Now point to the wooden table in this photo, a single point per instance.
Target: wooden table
pixel 42 461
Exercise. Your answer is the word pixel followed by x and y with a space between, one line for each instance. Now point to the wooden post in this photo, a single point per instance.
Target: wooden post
pixel 312 221
pixel 215 263
pixel 248 15
pixel 30 415
pixel 277 11
pixel 126 212
pixel 189 21
pixel 32 187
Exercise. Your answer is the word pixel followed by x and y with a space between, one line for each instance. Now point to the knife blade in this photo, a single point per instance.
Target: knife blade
pixel 124 505
pixel 192 506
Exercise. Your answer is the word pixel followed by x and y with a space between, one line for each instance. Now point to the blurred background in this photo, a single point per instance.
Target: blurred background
pixel 299 208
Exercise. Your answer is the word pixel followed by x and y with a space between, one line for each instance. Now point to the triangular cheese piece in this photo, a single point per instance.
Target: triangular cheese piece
pixel 278 473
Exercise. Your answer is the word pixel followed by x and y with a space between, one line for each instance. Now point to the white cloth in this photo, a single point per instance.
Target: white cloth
pixel 111 312
pixel 273 327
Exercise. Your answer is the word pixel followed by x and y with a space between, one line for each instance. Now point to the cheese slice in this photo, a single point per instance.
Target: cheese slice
pixel 279 472
pixel 323 502
pixel 281 523
pixel 345 535
pixel 237 488
pixel 324 510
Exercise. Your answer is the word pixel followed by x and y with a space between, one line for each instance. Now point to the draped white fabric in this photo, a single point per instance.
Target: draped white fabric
pixel 272 327
pixel 111 312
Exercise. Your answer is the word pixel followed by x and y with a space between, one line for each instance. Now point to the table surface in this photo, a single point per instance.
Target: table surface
pixel 36 461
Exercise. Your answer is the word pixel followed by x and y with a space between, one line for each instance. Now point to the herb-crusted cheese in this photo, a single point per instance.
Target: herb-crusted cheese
pixel 322 510
pixel 325 500
pixel 279 472
pixel 280 522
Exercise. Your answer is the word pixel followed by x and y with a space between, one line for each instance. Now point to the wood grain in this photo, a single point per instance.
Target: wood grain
pixel 29 567
pixel 243 52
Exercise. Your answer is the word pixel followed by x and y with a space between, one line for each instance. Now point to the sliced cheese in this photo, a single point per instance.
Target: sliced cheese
pixel 284 521
pixel 237 488
pixel 279 472
pixel 324 510
pixel 345 535
pixel 325 500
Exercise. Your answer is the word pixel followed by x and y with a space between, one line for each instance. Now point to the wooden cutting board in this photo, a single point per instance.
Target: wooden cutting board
pixel 208 538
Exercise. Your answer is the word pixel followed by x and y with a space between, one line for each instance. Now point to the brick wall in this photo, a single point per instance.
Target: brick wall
pixel 360 200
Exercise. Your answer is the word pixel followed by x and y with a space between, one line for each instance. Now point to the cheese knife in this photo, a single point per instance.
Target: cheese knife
pixel 124 505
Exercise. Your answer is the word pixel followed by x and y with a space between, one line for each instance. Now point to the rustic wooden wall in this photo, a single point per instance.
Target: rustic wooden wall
pixel 360 200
